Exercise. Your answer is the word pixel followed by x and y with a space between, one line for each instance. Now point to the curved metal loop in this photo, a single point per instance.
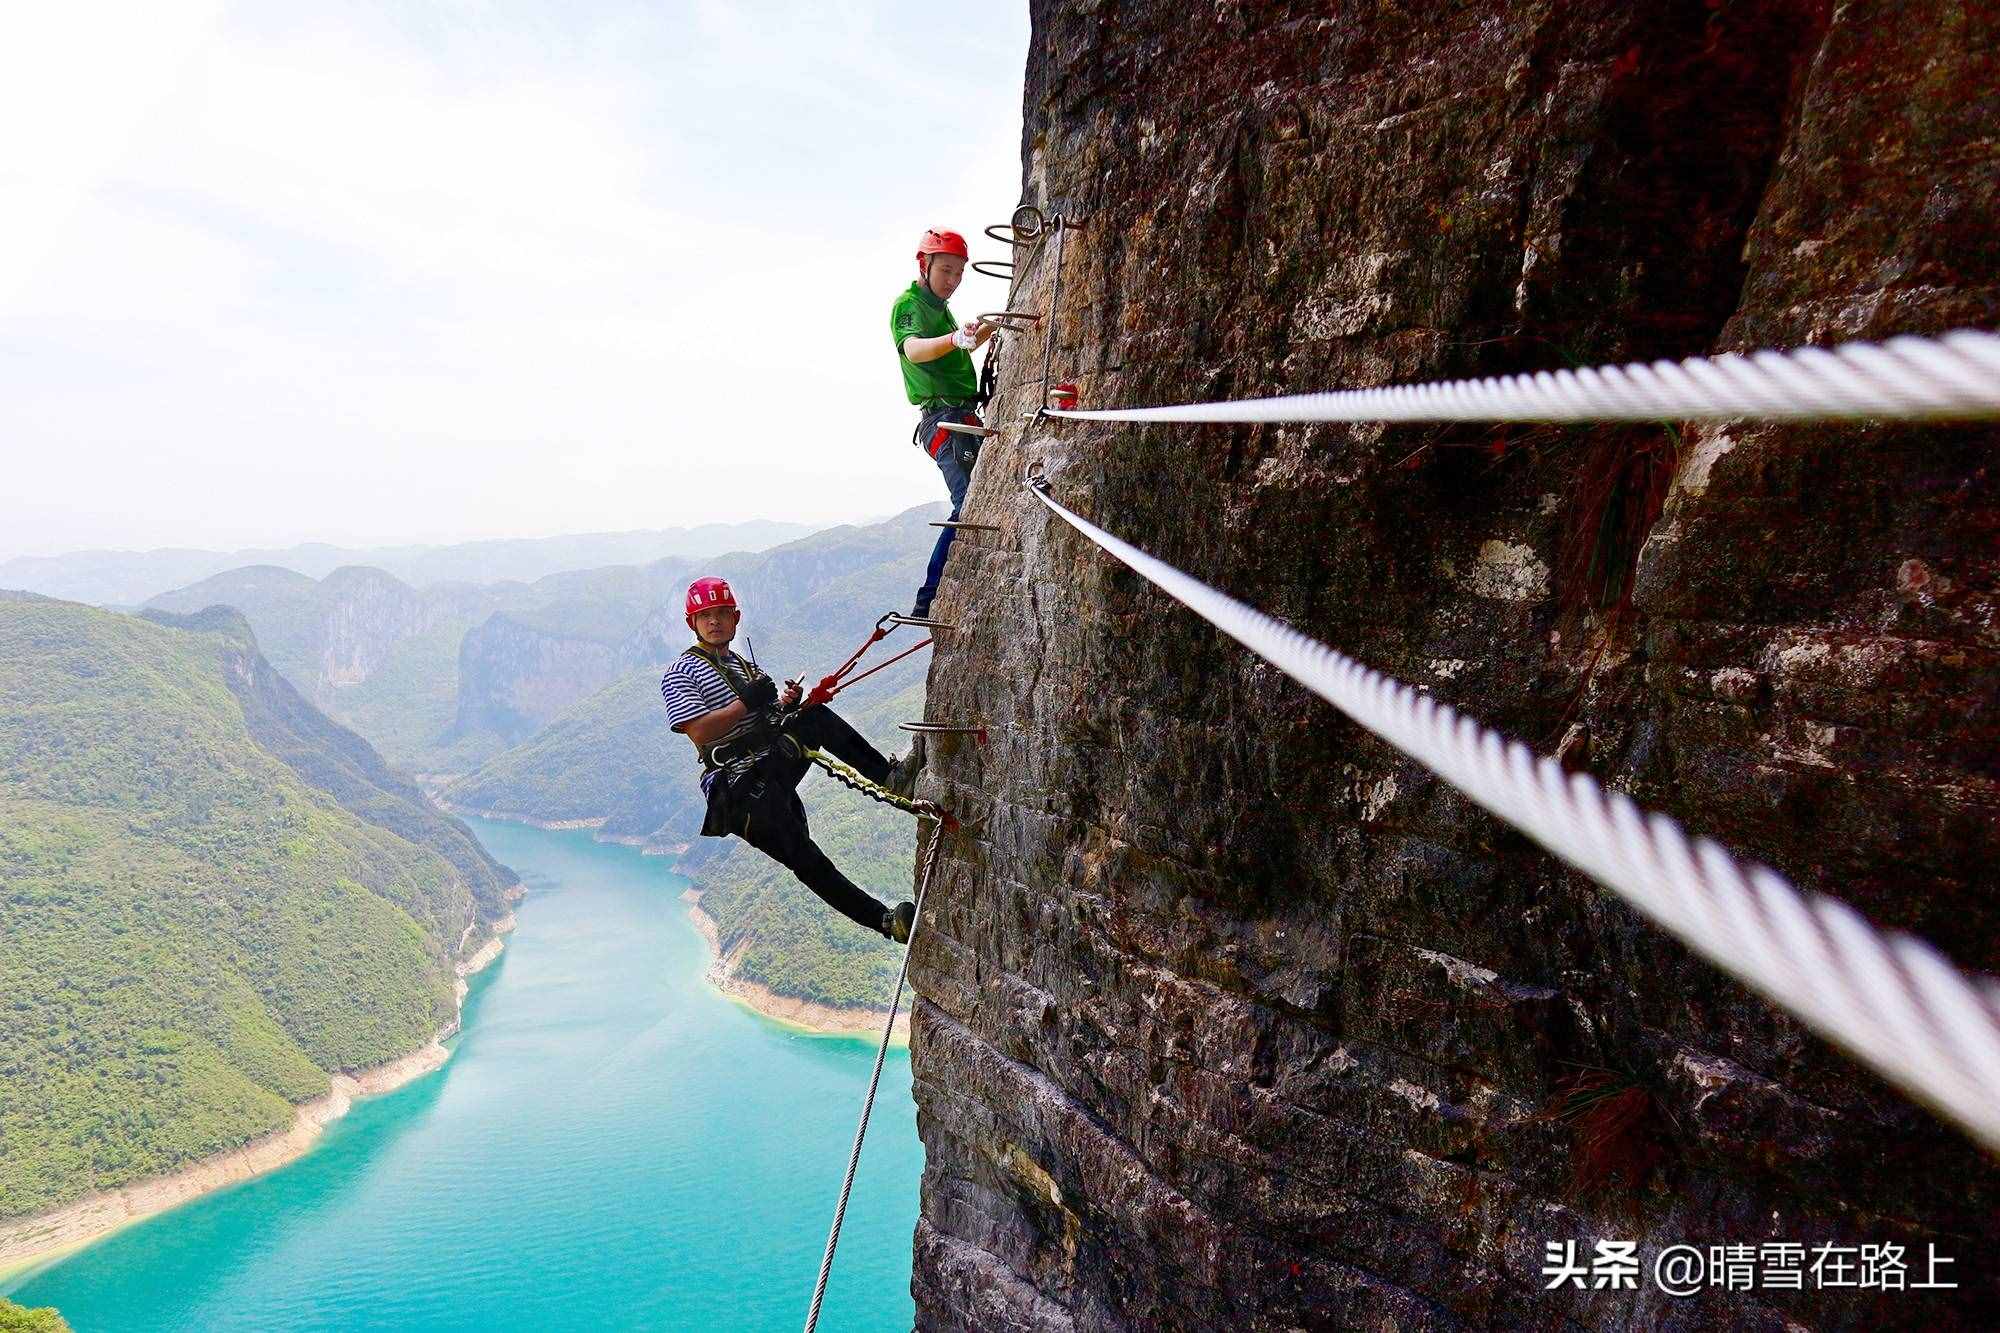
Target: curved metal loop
pixel 987 266
pixel 921 622
pixel 1024 227
pixel 1037 479
pixel 968 527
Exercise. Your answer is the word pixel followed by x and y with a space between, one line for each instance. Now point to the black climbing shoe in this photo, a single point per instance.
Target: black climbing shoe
pixel 903 770
pixel 898 921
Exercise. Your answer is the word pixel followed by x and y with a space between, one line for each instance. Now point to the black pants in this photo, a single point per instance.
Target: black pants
pixel 763 808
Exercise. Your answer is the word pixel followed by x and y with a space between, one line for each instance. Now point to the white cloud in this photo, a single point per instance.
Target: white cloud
pixel 372 280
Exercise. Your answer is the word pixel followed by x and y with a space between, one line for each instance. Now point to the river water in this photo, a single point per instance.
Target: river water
pixel 612 1146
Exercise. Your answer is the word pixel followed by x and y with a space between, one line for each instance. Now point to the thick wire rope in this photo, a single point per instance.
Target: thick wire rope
pixel 1887 997
pixel 874 1080
pixel 1956 375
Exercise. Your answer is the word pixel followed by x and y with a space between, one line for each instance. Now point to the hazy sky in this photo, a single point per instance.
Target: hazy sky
pixel 406 271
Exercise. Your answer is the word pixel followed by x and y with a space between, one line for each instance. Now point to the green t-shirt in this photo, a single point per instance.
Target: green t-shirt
pixel 949 379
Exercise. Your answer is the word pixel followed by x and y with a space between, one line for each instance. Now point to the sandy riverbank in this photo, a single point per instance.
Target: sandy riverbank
pixel 29 1241
pixel 806 1015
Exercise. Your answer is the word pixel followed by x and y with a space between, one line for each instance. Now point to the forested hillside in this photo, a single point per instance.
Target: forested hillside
pixel 210 897
pixel 365 647
pixel 555 686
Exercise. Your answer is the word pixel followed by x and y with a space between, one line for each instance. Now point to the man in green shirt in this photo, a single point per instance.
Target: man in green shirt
pixel 935 351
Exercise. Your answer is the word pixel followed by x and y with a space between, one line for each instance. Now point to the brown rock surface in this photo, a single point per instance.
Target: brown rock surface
pixel 1230 1016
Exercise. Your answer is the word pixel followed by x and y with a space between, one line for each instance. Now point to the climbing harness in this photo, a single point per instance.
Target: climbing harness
pixel 1956 375
pixel 874 1079
pixel 1889 998
pixel 838 680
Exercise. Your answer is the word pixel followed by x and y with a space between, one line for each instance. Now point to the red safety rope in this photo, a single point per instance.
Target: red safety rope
pixel 833 684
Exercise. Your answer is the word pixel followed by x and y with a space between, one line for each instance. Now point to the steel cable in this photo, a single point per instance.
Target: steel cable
pixel 1887 997
pixel 874 1081
pixel 1954 376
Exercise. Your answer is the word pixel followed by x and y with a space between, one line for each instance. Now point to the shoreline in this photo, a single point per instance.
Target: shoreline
pixel 646 846
pixel 30 1242
pixel 810 1016
pixel 507 817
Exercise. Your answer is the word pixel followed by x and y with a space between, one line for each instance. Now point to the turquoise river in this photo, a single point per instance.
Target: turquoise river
pixel 612 1146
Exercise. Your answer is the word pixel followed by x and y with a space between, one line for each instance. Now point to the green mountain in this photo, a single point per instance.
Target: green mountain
pixel 211 896
pixel 367 648
pixel 546 697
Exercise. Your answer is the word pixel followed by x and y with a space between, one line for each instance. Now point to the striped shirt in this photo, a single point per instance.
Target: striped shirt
pixel 693 688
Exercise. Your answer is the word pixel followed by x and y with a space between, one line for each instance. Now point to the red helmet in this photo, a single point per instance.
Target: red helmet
pixel 941 243
pixel 706 593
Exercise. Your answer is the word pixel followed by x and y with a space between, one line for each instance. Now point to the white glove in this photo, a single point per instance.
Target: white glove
pixel 964 339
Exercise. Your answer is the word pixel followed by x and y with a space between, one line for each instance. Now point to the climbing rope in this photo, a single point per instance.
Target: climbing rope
pixel 1889 998
pixel 1955 375
pixel 874 1080
pixel 838 680
pixel 849 777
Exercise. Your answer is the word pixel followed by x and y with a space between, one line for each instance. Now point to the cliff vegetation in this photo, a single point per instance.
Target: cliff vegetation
pixel 210 898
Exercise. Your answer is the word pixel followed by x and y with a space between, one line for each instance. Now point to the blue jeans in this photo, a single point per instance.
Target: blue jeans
pixel 955 455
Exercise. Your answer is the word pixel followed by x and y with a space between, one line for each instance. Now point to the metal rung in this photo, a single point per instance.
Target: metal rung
pixel 1024 228
pixel 987 266
pixel 969 527
pixel 1010 318
pixel 944 729
pixel 921 622
pixel 967 428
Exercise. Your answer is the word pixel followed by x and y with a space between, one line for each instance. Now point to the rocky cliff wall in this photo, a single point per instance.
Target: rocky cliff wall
pixel 1231 1017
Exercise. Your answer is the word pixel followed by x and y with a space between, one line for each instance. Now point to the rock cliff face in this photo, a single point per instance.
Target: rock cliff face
pixel 513 677
pixel 1232 1017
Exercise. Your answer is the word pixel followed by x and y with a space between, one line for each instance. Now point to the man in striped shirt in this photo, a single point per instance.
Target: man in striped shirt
pixel 751 772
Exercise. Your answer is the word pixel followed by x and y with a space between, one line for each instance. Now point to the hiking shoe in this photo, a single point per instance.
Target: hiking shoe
pixel 898 921
pixel 903 770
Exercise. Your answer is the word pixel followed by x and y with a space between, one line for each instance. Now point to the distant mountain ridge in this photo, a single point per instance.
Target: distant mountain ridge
pixel 443 678
pixel 129 578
